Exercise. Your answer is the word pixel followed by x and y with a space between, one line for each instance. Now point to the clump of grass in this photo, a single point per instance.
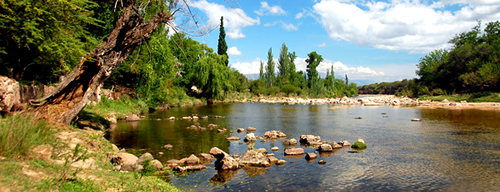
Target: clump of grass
pixel 359 145
pixel 21 132
pixel 120 108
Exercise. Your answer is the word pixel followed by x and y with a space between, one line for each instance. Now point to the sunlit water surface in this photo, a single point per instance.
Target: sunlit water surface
pixel 448 150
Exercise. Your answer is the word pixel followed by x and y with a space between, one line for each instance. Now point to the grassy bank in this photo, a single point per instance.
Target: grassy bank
pixel 37 156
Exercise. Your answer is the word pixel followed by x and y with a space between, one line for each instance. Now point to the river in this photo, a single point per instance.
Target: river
pixel 448 150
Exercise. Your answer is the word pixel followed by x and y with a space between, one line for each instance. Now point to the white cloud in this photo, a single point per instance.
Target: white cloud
pixel 251 67
pixel 322 45
pixel 402 25
pixel 340 69
pixel 290 26
pixel 270 24
pixel 234 18
pixel 299 15
pixel 265 9
pixel 233 51
pixel 381 73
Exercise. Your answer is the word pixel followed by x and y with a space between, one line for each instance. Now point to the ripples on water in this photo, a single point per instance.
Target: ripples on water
pixel 450 150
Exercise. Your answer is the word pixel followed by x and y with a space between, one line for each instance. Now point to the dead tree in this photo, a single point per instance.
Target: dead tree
pixel 74 92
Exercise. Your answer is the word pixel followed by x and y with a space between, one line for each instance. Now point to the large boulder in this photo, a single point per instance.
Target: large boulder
pixel 192 160
pixel 205 157
pixel 250 137
pixel 224 160
pixel 255 158
pixel 128 161
pixel 325 148
pixel 310 139
pixel 9 94
pixel 294 151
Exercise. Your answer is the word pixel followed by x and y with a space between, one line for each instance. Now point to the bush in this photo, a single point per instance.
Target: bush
pixel 272 90
pixel 20 133
pixel 288 89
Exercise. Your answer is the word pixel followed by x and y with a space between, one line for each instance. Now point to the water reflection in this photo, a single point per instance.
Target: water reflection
pixel 445 151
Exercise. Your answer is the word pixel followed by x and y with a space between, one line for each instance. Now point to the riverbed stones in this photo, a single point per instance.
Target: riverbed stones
pixel 275 148
pixel 250 137
pixel 255 158
pixel 189 168
pixel 290 142
pixel 240 130
pixel 310 139
pixel 272 159
pixel 168 146
pixel 345 143
pixel 321 162
pixel 294 151
pixel 273 134
pixel 280 162
pixel 250 129
pixel 127 161
pixel 310 156
pixel 171 118
pixel 192 160
pixel 233 138
pixel 224 160
pixel 335 145
pixel 156 164
pixel 325 148
pixel 262 150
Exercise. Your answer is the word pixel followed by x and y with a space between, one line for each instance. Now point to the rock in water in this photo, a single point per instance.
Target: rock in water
pixel 255 158
pixel 325 148
pixel 192 160
pixel 311 156
pixel 250 137
pixel 224 160
pixel 309 139
pixel 294 151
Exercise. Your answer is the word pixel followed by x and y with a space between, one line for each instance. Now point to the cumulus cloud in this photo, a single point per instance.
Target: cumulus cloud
pixel 233 51
pixel 265 9
pixel 322 45
pixel 290 26
pixel 299 15
pixel 248 67
pixel 340 69
pixel 270 24
pixel 402 25
pixel 234 18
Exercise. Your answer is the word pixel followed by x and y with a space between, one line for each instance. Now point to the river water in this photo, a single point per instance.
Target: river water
pixel 448 150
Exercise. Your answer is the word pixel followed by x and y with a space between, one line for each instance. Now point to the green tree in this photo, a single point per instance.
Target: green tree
pixel 313 80
pixel 261 71
pixel 44 39
pixel 222 46
pixel 270 69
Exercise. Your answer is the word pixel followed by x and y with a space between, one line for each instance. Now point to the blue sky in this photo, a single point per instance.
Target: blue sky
pixel 366 39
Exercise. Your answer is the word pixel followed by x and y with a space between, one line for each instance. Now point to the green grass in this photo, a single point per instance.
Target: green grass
pixel 21 132
pixel 474 97
pixel 119 108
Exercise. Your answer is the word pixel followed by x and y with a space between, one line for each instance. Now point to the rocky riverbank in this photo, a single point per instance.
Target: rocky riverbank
pixel 377 100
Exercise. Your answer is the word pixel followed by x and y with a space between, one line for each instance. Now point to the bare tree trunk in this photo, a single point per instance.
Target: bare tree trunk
pixel 74 92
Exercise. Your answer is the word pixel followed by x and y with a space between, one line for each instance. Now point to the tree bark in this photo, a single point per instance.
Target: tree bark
pixel 73 93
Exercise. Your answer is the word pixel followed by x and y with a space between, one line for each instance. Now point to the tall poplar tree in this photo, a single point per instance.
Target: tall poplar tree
pixel 222 46
pixel 270 78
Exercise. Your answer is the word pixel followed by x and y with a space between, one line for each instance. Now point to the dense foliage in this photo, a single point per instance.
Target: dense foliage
pixel 471 65
pixel 291 82
pixel 43 40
